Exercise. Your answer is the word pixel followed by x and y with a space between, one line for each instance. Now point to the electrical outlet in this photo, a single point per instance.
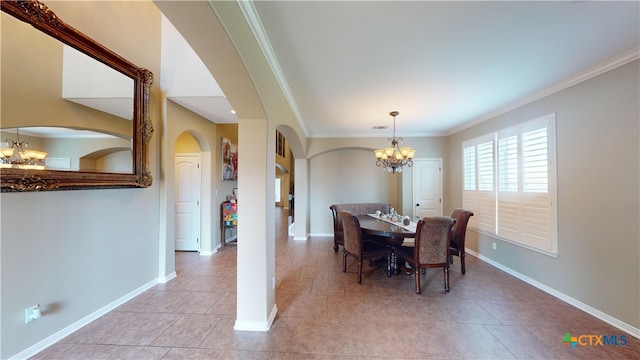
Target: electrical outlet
pixel 32 313
pixel 494 245
pixel 274 282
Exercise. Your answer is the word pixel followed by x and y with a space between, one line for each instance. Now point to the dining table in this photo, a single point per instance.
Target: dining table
pixel 393 233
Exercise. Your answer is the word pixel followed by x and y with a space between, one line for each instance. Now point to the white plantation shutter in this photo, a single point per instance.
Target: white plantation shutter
pixel 508 163
pixel 486 211
pixel 509 184
pixel 535 161
pixel 538 210
pixel 537 224
pixel 478 157
pixel 486 187
pixel 515 183
pixel 485 166
pixel 509 211
pixel 469 163
pixel 470 184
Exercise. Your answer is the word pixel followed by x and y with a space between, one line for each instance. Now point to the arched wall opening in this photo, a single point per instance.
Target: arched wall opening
pixel 116 159
pixel 346 175
pixel 294 152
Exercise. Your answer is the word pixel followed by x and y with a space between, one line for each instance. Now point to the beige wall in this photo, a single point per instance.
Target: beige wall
pixel 62 249
pixel 186 143
pixel 598 156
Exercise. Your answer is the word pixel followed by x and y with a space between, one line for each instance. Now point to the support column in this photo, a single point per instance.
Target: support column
pixel 301 210
pixel 256 307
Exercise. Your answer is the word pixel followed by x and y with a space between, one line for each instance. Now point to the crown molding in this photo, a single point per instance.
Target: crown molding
pixel 253 20
pixel 590 73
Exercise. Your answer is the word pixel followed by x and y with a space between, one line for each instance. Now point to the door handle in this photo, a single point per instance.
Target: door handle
pixel 417 204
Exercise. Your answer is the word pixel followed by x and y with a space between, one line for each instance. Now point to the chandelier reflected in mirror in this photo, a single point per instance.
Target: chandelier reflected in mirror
pixel 16 155
pixel 393 159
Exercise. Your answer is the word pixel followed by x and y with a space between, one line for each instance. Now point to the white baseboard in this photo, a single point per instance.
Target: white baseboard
pixel 45 343
pixel 291 232
pixel 207 253
pixel 321 234
pixel 635 332
pixel 272 315
pixel 257 325
pixel 219 247
pixel 230 239
pixel 165 279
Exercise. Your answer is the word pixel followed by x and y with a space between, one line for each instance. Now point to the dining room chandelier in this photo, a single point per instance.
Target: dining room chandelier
pixel 15 154
pixel 393 159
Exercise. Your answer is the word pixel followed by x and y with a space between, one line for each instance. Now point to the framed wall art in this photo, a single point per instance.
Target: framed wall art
pixel 229 160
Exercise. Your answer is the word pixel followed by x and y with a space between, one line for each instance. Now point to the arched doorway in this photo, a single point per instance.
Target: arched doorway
pixel 291 167
pixel 192 194
pixel 188 194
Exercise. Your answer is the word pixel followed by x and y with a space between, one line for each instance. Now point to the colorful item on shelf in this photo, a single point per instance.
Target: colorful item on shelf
pixel 230 213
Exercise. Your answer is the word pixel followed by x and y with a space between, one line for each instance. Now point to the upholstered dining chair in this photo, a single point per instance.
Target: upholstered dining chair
pixel 355 246
pixel 338 233
pixel 356 208
pixel 431 248
pixel 458 235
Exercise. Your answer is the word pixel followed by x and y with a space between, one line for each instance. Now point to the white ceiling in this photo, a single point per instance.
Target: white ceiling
pixel 442 65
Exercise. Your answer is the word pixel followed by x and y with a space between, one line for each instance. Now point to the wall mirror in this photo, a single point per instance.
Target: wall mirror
pixel 74 114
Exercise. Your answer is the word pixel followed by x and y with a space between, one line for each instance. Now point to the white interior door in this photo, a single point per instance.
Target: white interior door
pixel 187 206
pixel 427 187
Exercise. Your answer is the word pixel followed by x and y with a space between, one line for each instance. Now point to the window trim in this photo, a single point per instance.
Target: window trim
pixel 549 121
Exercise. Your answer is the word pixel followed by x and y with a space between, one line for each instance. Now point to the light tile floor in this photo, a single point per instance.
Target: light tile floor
pixel 324 314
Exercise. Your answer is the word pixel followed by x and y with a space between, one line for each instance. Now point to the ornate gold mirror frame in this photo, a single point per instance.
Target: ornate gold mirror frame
pixel 17 179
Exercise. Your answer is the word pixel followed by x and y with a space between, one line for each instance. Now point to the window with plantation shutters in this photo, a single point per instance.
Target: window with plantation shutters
pixel 479 192
pixel 509 184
